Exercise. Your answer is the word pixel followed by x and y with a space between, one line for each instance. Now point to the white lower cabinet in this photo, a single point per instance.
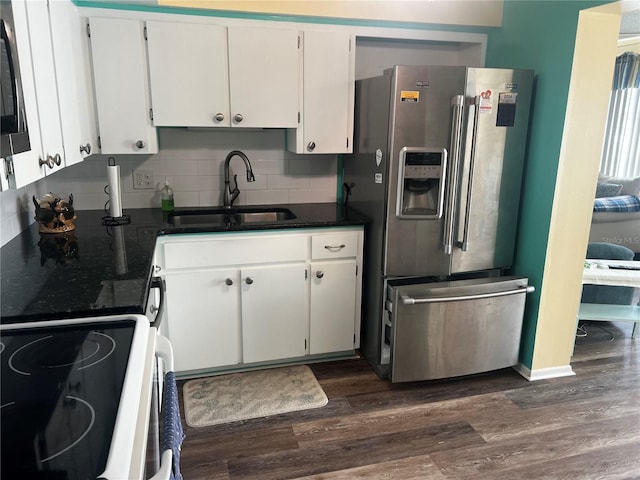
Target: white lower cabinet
pixel 242 299
pixel 204 312
pixel 333 303
pixel 274 317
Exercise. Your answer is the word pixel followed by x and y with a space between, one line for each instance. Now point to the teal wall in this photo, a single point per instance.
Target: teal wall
pixel 538 35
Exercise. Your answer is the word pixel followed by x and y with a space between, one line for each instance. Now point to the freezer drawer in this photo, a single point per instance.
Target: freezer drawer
pixel 448 329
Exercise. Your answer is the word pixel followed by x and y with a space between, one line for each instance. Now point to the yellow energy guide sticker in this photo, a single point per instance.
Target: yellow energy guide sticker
pixel 409 96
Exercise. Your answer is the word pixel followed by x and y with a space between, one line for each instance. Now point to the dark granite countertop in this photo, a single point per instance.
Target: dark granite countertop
pixel 97 270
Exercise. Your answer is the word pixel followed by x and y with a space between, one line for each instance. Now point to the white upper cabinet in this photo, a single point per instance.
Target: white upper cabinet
pixel 44 72
pixel 188 70
pixel 25 166
pixel 263 76
pixel 49 37
pixel 43 114
pixel 206 75
pixel 75 98
pixel 121 82
pixel 327 85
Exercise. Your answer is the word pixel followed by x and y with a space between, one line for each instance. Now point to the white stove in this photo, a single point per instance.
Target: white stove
pixel 77 398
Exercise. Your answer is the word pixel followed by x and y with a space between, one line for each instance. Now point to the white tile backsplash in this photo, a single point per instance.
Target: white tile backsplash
pixel 261 197
pixel 17 210
pixel 192 160
pixel 288 182
pixel 311 196
pixel 205 199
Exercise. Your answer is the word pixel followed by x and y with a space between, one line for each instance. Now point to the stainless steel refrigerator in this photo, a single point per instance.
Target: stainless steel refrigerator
pixel 437 166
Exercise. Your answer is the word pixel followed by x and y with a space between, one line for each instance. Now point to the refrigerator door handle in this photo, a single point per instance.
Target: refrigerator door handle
pixel 457 104
pixel 407 300
pixel 464 244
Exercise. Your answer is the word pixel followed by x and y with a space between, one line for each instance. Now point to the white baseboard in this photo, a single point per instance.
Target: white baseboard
pixel 543 373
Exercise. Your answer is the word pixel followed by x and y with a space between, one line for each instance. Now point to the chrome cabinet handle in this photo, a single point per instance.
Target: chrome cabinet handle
pixel 311 146
pixel 86 149
pixel 249 280
pixel 228 281
pixel 57 159
pixel 319 274
pixel 238 118
pixel 49 162
pixel 334 248
pixel 218 117
pixel 139 144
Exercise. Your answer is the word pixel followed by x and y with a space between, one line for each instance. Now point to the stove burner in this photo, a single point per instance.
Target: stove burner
pixel 55 430
pixel 66 427
pixel 1 347
pixel 58 351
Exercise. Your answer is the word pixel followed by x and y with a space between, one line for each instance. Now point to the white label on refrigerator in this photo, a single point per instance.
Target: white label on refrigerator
pixel 507 97
pixel 378 157
pixel 486 104
pixel 377 178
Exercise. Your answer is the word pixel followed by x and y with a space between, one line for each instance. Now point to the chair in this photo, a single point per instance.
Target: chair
pixel 606 294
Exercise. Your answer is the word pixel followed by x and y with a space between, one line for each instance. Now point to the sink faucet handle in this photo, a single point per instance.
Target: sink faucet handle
pixel 235 191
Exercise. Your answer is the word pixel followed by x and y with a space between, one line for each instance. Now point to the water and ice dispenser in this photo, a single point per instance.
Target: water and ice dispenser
pixel 421 182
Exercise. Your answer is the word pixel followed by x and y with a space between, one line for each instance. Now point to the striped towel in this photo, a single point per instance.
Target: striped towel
pixel 171 433
pixel 621 203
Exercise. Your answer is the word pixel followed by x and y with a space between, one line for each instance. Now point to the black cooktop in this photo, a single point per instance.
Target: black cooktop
pixel 61 388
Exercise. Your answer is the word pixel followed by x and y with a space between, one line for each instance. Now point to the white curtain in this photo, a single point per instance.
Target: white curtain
pixel 621 149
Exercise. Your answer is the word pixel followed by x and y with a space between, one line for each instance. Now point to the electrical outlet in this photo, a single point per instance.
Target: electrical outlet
pixel 143 179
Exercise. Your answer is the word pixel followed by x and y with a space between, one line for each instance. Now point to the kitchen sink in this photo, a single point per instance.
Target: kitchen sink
pixel 267 216
pixel 229 216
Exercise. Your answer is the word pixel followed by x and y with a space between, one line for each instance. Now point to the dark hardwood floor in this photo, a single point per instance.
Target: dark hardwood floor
pixel 490 426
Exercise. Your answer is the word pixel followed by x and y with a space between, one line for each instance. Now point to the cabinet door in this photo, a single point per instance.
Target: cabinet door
pixel 55 126
pixel 333 306
pixel 274 317
pixel 25 166
pixel 188 71
pixel 328 94
pixel 203 318
pixel 44 74
pixel 68 36
pixel 121 86
pixel 263 77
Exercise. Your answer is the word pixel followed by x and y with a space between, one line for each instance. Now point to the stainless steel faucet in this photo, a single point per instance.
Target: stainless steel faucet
pixel 229 194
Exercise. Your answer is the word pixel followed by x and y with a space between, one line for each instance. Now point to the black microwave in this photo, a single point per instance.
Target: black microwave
pixel 15 134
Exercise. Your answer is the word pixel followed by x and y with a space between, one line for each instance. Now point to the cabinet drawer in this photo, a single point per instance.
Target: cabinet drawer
pixel 234 251
pixel 334 245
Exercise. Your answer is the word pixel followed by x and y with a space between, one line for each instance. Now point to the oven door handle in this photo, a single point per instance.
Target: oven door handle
pixel 164 350
pixel 166 462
